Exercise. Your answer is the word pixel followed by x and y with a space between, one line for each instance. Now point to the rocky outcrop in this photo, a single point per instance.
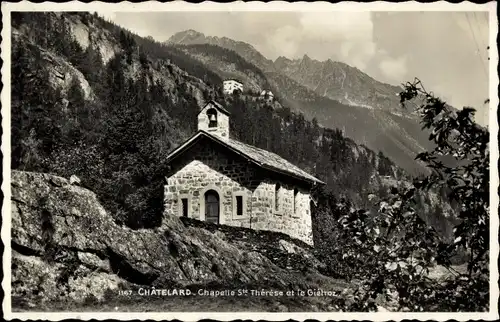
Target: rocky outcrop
pixel 65 245
pixel 61 74
pixel 88 33
pixel 88 30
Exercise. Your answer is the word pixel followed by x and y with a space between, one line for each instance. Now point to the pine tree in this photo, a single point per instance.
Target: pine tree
pixel 92 65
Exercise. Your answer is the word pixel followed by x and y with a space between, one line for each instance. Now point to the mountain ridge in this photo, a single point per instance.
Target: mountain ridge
pixel 246 50
pixel 293 68
pixel 366 110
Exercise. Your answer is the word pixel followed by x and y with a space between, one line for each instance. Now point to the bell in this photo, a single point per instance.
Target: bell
pixel 212 118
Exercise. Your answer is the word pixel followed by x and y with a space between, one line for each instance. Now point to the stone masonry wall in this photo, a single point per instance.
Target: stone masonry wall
pixel 207 166
pixel 292 215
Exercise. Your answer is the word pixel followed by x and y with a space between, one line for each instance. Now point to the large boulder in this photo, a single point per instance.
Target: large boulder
pixel 66 245
pixel 36 279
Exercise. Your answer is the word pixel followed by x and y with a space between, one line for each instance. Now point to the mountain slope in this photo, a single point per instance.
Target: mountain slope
pixel 398 137
pixel 228 64
pixel 375 120
pixel 113 122
pixel 247 51
pixel 341 82
pixel 334 80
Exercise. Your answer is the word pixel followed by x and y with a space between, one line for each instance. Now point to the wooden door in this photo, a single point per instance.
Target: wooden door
pixel 212 207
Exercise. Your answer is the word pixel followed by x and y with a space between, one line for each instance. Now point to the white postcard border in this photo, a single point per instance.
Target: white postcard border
pixel 249 6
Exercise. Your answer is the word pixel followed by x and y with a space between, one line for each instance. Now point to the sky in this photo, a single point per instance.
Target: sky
pixel 447 51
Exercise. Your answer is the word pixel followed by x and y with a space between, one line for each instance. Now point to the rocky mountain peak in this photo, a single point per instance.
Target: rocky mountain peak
pixel 246 50
pixel 193 32
pixel 187 36
pixel 306 61
pixel 282 62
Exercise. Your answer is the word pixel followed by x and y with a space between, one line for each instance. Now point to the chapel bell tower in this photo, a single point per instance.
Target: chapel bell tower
pixel 214 119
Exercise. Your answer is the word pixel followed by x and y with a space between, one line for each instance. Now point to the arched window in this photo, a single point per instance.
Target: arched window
pixel 212 117
pixel 212 207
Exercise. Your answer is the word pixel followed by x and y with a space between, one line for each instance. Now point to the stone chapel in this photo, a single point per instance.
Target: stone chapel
pixel 218 179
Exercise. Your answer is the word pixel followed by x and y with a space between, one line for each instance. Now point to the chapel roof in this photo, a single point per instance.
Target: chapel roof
pixel 262 158
pixel 217 106
pixel 234 80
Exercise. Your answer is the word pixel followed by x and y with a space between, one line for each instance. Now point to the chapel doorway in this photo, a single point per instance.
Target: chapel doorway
pixel 212 206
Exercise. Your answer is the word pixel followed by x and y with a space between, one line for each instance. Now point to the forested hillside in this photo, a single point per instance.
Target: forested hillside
pixel 92 99
pixel 117 138
pixel 229 64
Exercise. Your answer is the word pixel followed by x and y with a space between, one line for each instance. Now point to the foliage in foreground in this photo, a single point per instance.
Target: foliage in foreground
pixel 393 250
